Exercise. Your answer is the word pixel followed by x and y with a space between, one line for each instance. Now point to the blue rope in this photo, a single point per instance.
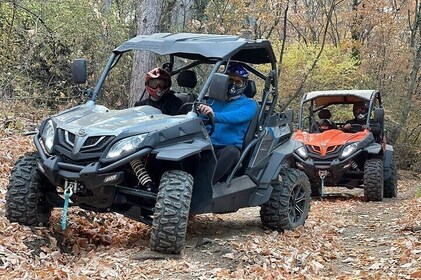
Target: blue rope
pixel 67 193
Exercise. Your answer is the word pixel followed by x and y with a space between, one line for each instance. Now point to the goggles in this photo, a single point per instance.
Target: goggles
pixel 155 83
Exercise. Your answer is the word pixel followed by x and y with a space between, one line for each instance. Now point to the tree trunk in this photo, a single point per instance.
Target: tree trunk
pixel 148 18
pixel 415 44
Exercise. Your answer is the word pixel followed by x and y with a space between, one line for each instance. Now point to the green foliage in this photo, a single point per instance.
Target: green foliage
pixel 335 68
pixel 42 39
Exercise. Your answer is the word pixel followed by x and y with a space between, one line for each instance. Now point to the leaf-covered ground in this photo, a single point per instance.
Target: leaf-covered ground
pixel 344 238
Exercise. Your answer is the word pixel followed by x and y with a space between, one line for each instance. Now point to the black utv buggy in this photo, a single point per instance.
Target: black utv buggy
pixel 156 168
pixel 357 159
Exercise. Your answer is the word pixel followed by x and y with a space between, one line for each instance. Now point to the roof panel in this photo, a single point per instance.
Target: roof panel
pixel 196 46
pixel 338 96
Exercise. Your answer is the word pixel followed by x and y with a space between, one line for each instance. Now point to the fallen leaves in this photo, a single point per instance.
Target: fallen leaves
pixel 344 238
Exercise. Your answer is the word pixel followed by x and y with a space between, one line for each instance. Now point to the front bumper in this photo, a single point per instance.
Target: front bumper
pixel 93 175
pixel 338 171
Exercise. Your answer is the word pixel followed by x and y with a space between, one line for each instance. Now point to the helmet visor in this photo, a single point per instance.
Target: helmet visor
pixel 155 83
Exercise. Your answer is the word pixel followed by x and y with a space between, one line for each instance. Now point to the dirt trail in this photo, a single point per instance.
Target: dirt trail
pixel 344 238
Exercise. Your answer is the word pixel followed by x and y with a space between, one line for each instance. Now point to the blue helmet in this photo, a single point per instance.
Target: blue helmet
pixel 238 79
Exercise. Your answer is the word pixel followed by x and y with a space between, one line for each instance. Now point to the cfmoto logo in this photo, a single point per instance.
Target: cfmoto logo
pixel 81 132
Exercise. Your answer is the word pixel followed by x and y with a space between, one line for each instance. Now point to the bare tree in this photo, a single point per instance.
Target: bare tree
pixel 415 44
pixel 300 87
pixel 148 19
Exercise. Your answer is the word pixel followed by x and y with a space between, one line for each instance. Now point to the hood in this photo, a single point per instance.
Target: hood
pixel 98 120
pixel 329 140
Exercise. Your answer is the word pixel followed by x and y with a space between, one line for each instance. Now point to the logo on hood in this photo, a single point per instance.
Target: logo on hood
pixel 81 132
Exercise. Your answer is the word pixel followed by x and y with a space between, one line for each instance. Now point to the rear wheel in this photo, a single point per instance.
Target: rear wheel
pixel 171 212
pixel 289 203
pixel 26 202
pixel 391 184
pixel 373 180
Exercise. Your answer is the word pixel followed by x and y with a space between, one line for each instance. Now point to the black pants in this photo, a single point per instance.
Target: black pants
pixel 226 157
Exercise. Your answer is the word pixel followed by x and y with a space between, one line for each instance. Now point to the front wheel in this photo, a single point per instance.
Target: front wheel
pixel 373 179
pixel 289 203
pixel 171 212
pixel 26 201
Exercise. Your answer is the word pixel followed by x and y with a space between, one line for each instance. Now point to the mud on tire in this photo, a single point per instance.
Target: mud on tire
pixel 373 180
pixel 391 184
pixel 289 204
pixel 26 202
pixel 171 213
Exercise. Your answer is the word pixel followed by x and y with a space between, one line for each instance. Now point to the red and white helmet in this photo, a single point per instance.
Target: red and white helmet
pixel 157 83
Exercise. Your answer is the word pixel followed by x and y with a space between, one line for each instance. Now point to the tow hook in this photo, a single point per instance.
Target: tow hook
pixel 322 175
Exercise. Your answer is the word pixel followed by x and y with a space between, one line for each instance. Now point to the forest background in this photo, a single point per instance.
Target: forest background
pixel 320 45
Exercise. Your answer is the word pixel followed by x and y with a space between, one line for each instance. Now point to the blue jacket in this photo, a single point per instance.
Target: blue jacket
pixel 232 118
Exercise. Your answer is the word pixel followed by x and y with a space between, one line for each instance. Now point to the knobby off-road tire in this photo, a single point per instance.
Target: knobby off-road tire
pixel 289 203
pixel 373 180
pixel 171 212
pixel 26 202
pixel 391 184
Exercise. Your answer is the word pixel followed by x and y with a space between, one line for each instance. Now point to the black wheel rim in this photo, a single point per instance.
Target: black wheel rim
pixel 297 203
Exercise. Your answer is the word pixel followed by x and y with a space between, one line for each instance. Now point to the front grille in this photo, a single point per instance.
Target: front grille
pixel 93 144
pixel 84 162
pixel 66 139
pixel 96 144
pixel 331 152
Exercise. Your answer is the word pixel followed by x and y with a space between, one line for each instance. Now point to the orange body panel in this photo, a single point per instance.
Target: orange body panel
pixel 327 141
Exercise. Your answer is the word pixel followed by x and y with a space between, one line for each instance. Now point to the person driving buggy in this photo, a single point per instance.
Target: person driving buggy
pixel 158 87
pixel 232 118
pixel 359 123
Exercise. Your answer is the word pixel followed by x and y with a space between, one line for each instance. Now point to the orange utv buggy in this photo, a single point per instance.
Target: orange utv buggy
pixel 331 157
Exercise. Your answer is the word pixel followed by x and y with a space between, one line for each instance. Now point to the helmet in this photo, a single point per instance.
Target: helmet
pixel 325 124
pixel 157 83
pixel 238 79
pixel 360 111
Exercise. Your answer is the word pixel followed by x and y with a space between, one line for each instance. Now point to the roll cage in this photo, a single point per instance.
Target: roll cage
pixel 318 100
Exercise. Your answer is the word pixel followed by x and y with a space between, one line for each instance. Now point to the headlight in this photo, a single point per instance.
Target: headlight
pixel 348 150
pixel 47 135
pixel 302 152
pixel 126 145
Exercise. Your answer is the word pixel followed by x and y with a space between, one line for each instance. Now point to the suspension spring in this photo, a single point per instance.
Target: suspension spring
pixel 140 171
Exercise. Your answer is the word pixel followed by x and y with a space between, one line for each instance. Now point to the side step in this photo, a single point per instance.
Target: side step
pixel 231 197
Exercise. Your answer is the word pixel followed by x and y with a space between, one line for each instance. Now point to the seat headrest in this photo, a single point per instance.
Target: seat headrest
pixel 250 90
pixel 324 114
pixel 187 78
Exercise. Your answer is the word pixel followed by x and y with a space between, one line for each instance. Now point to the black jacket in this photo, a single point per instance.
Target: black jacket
pixel 374 127
pixel 169 104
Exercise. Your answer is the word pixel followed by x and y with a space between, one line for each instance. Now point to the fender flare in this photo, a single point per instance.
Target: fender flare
pixel 182 150
pixel 276 160
pixel 373 149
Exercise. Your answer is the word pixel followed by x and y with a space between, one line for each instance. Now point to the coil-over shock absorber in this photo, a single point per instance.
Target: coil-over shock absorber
pixel 141 174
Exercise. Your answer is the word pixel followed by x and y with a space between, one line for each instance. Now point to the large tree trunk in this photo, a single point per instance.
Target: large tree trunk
pixel 148 18
pixel 415 44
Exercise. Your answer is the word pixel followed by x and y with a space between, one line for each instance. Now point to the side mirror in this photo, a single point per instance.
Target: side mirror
pixel 219 87
pixel 379 115
pixel 79 72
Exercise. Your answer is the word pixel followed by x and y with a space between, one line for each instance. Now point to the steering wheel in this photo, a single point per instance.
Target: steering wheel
pixel 355 127
pixel 185 106
pixel 211 122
